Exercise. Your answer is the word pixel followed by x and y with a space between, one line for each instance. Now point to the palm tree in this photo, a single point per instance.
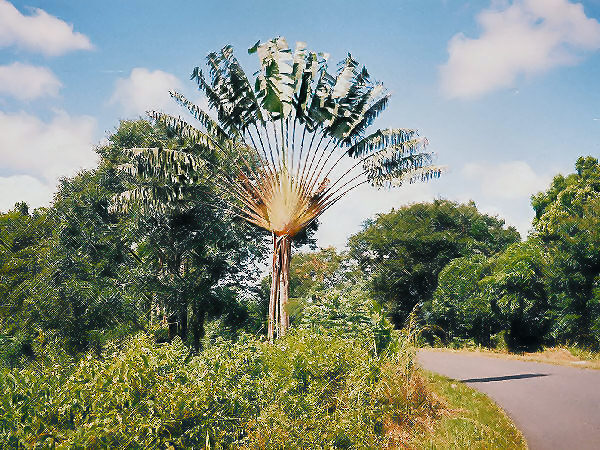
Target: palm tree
pixel 286 139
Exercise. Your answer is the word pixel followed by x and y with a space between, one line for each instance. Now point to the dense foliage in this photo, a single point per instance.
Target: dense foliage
pixel 540 292
pixel 403 251
pixel 310 390
pixel 82 272
pixel 567 221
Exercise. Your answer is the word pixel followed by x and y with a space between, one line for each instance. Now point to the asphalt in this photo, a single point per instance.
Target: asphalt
pixel 556 407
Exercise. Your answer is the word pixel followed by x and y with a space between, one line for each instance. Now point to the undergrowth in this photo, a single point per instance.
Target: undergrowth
pixel 310 390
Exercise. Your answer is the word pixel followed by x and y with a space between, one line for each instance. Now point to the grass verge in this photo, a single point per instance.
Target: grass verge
pixel 471 421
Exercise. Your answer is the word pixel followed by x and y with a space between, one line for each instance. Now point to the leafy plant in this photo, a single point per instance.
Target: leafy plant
pixel 308 390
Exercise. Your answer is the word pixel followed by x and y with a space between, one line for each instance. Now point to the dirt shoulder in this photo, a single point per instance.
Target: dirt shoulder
pixel 556 355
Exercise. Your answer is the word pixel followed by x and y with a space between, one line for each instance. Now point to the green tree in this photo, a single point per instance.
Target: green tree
pixel 283 138
pixel 404 251
pixel 84 290
pixel 23 246
pixel 189 243
pixel 458 307
pixel 316 271
pixel 567 221
pixel 516 291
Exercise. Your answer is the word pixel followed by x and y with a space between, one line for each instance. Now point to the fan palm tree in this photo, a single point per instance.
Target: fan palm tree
pixel 286 138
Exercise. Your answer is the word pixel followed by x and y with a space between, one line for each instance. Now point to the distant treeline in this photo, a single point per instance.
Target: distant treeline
pixel 470 277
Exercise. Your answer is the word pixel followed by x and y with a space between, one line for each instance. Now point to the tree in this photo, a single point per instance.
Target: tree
pixel 567 222
pixel 457 307
pixel 23 246
pixel 84 289
pixel 285 135
pixel 190 246
pixel 516 291
pixel 319 270
pixel 404 251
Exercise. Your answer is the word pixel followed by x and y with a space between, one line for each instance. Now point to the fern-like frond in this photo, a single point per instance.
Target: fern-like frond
pixel 172 166
pixel 183 129
pixel 147 198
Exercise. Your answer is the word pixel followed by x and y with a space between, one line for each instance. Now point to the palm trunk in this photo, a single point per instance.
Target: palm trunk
pixel 284 284
pixel 274 297
pixel 278 315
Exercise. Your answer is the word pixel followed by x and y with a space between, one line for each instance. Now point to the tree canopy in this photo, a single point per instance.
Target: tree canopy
pixel 404 251
pixel 568 221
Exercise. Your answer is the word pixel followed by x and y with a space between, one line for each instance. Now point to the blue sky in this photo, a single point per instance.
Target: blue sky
pixel 506 91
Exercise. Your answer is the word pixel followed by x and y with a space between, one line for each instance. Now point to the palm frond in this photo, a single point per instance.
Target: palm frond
pixel 183 129
pixel 381 139
pixel 166 165
pixel 304 88
pixel 229 92
pixel 368 115
pixel 147 198
pixel 212 127
pixel 275 83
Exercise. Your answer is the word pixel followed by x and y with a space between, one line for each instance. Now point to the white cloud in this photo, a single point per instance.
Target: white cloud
pixel 45 150
pixel 24 188
pixel 524 38
pixel 26 82
pixel 510 180
pixel 38 32
pixel 346 217
pixel 145 90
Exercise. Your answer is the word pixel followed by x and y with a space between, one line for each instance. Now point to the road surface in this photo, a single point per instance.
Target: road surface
pixel 556 407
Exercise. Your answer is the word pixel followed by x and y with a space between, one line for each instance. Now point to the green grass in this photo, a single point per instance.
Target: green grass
pixel 471 421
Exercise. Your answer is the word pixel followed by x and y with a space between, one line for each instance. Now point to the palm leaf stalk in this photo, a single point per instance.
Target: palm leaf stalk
pixel 283 132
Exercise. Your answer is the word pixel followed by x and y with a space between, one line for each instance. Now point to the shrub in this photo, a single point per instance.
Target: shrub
pixel 308 390
pixel 350 312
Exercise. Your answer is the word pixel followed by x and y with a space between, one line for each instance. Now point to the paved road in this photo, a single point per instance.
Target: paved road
pixel 555 407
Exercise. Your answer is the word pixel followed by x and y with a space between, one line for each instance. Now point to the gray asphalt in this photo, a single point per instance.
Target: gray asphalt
pixel 556 407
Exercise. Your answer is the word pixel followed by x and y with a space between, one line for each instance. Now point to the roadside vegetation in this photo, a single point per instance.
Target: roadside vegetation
pixel 325 385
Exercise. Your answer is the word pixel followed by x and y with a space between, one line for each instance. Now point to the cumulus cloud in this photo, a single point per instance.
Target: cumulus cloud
pixel 26 82
pixel 526 37
pixel 24 188
pixel 39 32
pixel 510 180
pixel 345 217
pixel 145 90
pixel 45 150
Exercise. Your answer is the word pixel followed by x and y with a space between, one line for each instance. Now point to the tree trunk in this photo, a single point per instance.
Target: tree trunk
pixel 284 286
pixel 198 327
pixel 172 324
pixel 278 315
pixel 183 322
pixel 273 298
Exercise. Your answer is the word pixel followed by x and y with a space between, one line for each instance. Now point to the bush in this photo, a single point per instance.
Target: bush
pixel 457 307
pixel 311 389
pixel 350 312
